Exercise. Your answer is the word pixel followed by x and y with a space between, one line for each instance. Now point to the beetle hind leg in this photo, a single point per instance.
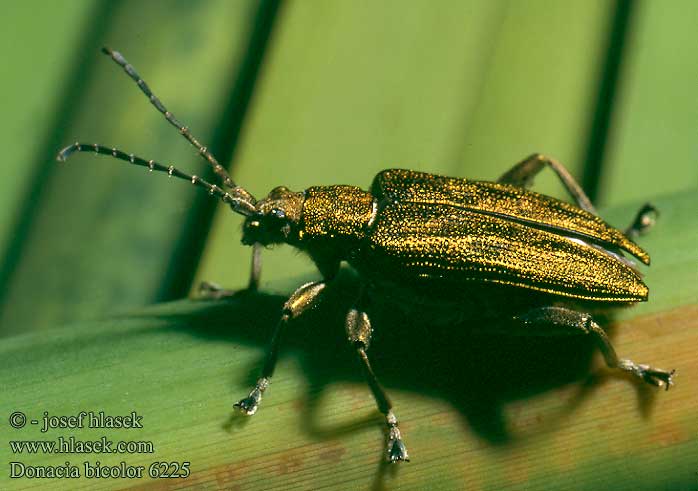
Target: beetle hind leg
pixel 644 220
pixel 359 330
pixel 567 321
pixel 522 175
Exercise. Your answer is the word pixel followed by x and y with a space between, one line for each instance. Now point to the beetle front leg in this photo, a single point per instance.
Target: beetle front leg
pixel 358 327
pixel 522 175
pixel 210 290
pixel 567 321
pixel 301 300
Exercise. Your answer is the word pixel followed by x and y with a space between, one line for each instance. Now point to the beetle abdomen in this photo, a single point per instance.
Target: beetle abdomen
pixel 412 242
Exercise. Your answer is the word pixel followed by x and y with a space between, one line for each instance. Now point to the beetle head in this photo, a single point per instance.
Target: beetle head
pixel 276 220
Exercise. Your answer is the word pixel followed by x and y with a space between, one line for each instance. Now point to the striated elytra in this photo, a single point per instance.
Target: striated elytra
pixel 445 248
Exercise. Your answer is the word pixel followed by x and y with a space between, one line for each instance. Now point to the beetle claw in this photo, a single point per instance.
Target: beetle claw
pixel 653 376
pixel 658 377
pixel 249 405
pixel 397 451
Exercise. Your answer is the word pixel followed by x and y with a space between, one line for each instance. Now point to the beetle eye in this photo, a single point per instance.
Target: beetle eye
pixel 278 213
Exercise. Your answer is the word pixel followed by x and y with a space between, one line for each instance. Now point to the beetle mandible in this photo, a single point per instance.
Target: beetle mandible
pixel 443 244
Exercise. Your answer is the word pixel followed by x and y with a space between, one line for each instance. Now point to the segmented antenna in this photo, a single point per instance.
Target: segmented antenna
pixel 237 203
pixel 203 151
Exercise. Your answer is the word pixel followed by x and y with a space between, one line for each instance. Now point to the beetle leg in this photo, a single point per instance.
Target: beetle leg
pixel 256 267
pixel 358 327
pixel 644 220
pixel 210 290
pixel 301 300
pixel 522 175
pixel 213 291
pixel 569 321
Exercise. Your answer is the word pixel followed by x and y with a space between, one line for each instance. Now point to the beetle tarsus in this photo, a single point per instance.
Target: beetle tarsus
pixel 653 376
pixel 645 219
pixel 397 451
pixel 249 405
pixel 211 291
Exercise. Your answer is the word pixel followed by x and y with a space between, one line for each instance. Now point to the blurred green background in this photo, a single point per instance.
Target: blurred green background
pixel 309 93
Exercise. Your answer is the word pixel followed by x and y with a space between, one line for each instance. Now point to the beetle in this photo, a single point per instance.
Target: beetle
pixel 436 246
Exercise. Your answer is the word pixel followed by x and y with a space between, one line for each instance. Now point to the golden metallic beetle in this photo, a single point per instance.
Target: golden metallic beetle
pixel 437 246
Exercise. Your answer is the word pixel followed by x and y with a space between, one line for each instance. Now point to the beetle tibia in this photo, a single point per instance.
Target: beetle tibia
pixel 653 376
pixel 397 451
pixel 250 404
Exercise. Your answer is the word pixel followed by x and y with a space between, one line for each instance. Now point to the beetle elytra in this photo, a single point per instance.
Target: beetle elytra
pixel 439 245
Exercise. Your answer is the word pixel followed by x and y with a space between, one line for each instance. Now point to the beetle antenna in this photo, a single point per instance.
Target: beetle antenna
pixel 203 151
pixel 237 203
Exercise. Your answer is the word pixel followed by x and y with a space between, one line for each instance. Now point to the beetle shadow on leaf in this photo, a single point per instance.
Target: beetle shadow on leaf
pixel 477 374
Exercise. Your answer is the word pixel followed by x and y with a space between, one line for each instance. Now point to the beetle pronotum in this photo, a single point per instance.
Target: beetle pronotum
pixel 444 244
